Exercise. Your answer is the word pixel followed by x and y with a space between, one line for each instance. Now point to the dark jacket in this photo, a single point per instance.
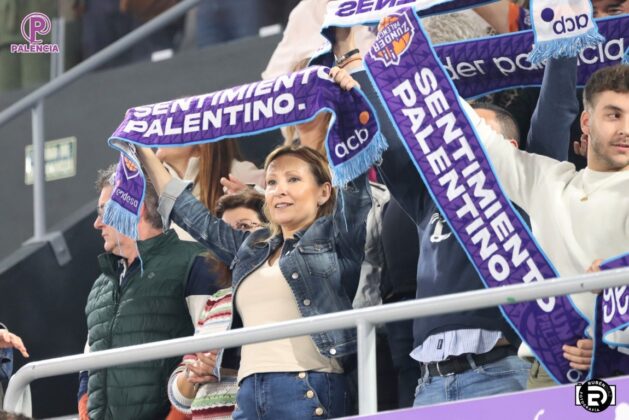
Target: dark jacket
pixel 149 307
pixel 443 266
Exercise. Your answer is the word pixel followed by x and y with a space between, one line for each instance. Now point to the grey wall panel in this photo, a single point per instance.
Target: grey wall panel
pixel 44 304
pixel 92 108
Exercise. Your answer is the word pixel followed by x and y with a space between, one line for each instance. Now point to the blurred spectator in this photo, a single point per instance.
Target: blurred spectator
pixel 604 8
pixel 106 21
pixel 277 11
pixel 457 26
pixel 5 415
pixel 302 38
pixel 221 20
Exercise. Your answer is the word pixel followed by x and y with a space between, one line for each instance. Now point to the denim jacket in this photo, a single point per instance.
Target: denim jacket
pixel 321 263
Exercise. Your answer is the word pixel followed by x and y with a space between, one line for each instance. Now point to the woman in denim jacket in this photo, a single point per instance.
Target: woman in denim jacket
pixel 306 263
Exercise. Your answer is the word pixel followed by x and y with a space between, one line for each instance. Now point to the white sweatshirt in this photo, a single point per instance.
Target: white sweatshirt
pixel 573 232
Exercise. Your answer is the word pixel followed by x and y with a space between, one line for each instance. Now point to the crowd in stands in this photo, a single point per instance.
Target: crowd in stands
pixel 91 25
pixel 223 244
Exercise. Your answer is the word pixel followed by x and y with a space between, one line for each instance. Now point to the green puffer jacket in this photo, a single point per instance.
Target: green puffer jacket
pixel 150 307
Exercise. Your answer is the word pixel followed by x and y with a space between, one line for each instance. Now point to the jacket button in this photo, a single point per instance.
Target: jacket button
pixel 332 351
pixel 310 394
pixel 306 302
pixel 319 411
pixel 302 375
pixel 295 276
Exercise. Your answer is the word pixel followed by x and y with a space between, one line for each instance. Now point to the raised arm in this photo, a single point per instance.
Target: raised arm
pixel 350 225
pixel 556 110
pixel 8 340
pixel 177 204
pixel 496 14
pixel 397 169
pixel 519 172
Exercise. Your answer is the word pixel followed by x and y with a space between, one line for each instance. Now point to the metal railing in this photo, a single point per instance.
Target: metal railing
pixel 35 102
pixel 363 319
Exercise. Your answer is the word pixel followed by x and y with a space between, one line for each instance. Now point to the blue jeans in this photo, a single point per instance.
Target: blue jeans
pixel 291 395
pixel 505 375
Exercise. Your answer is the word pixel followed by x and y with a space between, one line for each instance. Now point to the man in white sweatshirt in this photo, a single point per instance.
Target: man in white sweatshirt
pixel 578 217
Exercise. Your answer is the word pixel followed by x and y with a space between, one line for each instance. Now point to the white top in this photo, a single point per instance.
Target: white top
pixel 302 38
pixel 264 297
pixel 573 232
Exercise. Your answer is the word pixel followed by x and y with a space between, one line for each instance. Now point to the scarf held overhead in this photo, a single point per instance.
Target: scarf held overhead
pixel 562 28
pixel 486 65
pixel 353 140
pixel 370 12
pixel 423 106
pixel 491 64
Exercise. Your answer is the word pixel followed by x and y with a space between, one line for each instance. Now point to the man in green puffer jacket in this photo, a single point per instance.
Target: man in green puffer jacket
pixel 140 297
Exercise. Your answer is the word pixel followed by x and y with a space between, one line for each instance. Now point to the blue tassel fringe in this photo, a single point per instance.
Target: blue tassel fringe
pixel 121 219
pixel 347 171
pixel 564 47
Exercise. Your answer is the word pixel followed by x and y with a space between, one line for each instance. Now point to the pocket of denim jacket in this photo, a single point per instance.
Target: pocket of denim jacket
pixel 319 257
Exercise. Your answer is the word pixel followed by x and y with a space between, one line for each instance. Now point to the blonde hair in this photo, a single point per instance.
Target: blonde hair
pixel 319 168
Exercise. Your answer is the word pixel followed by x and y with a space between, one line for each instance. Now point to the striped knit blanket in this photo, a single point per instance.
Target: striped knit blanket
pixel 213 400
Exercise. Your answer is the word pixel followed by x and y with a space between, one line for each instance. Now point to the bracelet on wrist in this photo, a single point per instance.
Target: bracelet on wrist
pixel 351 60
pixel 340 60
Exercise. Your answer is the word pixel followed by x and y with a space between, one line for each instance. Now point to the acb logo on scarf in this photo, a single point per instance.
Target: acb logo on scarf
pixel 395 33
pixel 565 24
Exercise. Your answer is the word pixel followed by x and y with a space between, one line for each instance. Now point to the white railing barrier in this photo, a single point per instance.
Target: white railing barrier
pixel 362 319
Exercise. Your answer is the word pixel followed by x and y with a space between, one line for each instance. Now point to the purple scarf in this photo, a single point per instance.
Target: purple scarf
pixel 365 12
pixel 423 105
pixel 612 321
pixel 491 64
pixel 353 141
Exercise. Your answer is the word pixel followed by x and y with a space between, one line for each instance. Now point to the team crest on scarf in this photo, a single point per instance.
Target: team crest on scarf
pixel 396 33
pixel 130 168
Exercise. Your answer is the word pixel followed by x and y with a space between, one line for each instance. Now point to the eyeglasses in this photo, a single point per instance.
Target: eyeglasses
pixel 246 225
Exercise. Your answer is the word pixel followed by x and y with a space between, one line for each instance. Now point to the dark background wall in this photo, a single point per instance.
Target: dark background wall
pixel 44 304
pixel 40 301
pixel 91 109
